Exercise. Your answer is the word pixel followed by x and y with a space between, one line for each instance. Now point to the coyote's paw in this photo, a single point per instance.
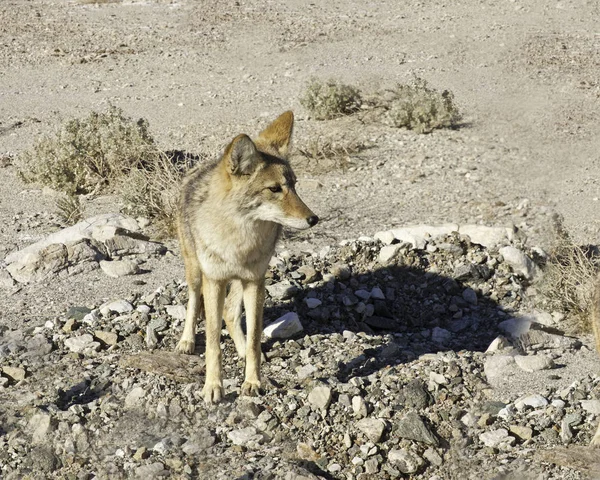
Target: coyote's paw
pixel 251 389
pixel 212 392
pixel 185 346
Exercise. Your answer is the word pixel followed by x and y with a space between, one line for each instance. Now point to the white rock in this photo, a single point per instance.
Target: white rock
pixel 497 438
pixel 438 378
pixel 313 302
pixel 244 435
pixel 359 406
pixel 487 236
pixel 175 311
pixel 373 428
pixel 386 237
pixel 119 268
pixel 284 327
pixel 591 406
pixel 134 397
pixel 418 235
pixel 497 366
pixel 534 363
pixel 75 233
pixel 534 401
pixel 118 306
pixel 81 343
pixel 519 262
pixel 281 290
pixel 389 252
pixel 404 460
pixel 320 397
pixel 41 424
pixel 499 343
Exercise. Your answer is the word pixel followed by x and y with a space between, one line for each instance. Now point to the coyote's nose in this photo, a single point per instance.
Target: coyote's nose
pixel 312 220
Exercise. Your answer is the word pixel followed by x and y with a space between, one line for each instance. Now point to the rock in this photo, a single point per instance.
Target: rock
pixel 373 428
pixel 177 312
pixel 440 336
pixel 151 337
pixel 285 326
pixel 40 424
pixel 320 397
pixel 524 433
pixel 117 306
pixel 385 237
pixel 244 436
pixel 548 340
pixel 134 398
pixel 70 325
pixel 499 343
pixel 81 343
pixel 418 235
pixel 377 294
pixel 415 395
pixel 534 363
pixel 77 313
pixel 309 273
pixel 470 296
pixel 535 401
pixel 515 327
pixel 389 253
pixel 359 406
pixel 16 374
pixel 198 442
pixel 282 290
pixel 141 454
pixel 151 470
pixel 411 426
pixel 488 237
pixel 404 460
pixel 6 281
pixel 497 439
pixel 519 262
pixel 591 406
pixel 108 338
pixel 119 268
pixel 341 271
pixel 182 368
pixel 124 244
pixel 37 346
pixel 312 302
pixel 498 366
pixel 79 231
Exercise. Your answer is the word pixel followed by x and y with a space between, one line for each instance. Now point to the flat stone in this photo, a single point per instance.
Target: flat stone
pixel 411 426
pixel 524 433
pixel 81 343
pixel 386 237
pixel 535 401
pixel 134 398
pixel 377 294
pixel 591 406
pixel 497 438
pixel 418 235
pixel 40 424
pixel 119 268
pixel 373 428
pixel 534 363
pixel 359 406
pixel 117 306
pixel 285 326
pixel 309 273
pixel 108 338
pixel 177 312
pixel 389 253
pixel 14 373
pixel 320 397
pixel 440 336
pixel 152 470
pixel 282 290
pixel 312 302
pixel 244 435
pixel 488 237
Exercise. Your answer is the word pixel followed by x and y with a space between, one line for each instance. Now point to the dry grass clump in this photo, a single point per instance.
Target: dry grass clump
pixel 88 154
pixel 569 278
pixel 69 209
pixel 420 108
pixel 330 99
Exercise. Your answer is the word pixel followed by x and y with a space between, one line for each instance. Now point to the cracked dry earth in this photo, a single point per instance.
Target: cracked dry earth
pixel 389 376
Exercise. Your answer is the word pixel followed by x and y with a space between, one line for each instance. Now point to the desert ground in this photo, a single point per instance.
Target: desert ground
pixel 525 77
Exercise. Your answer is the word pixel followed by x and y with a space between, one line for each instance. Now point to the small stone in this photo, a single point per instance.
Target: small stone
pixel 534 401
pixel 14 373
pixel 117 306
pixel 341 271
pixel 438 378
pixel 320 397
pixel 141 454
pixel 41 424
pixel 524 433
pixel 411 426
pixel 497 366
pixel 470 296
pixel 81 343
pixel 386 237
pixel 151 338
pixel 591 406
pixel 499 343
pixel 519 262
pixel 176 311
pixel 306 371
pixel 108 338
pixel 377 294
pixel 433 457
pixel 285 326
pixel 119 268
pixel 70 325
pixel 497 438
pixel 77 313
pixel 389 253
pixel 404 460
pixel 534 363
pixel 363 294
pixel 440 336
pixel 359 406
pixel 282 290
pixel 134 398
pixel 313 302
pixel 310 274
pixel 152 470
pixel 244 435
pixel 373 428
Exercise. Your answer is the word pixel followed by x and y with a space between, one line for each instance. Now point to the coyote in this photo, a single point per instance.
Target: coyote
pixel 230 216
pixel 596 328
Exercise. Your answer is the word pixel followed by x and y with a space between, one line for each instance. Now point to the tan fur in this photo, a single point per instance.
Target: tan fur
pixel 596 327
pixel 229 219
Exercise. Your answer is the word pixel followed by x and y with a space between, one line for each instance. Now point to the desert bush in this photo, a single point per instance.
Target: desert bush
pixel 418 107
pixel 69 209
pixel 90 153
pixel 330 99
pixel 569 278
pixel 154 190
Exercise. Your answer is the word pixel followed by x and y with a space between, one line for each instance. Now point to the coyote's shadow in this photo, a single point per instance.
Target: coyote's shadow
pixel 416 311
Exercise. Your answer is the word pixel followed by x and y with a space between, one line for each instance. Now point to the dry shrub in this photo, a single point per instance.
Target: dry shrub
pixel 569 278
pixel 330 99
pixel 88 154
pixel 326 154
pixel 69 209
pixel 420 108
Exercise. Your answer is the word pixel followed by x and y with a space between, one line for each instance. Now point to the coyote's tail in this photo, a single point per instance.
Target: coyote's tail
pixel 596 313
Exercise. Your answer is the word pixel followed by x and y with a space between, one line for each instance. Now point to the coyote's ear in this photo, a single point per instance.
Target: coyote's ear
pixel 241 156
pixel 277 135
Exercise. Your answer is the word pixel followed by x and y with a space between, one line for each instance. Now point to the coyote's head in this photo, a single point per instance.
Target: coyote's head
pixel 261 179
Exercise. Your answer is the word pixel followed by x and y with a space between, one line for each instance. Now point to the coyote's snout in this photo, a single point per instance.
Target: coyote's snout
pixel 229 219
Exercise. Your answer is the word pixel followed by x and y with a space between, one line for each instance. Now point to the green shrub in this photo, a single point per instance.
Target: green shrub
pixel 330 99
pixel 420 108
pixel 90 153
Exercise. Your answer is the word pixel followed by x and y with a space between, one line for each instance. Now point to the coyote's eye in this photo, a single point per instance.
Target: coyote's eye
pixel 275 188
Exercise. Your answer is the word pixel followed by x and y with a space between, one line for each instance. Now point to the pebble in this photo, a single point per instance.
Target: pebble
pixel 497 438
pixel 81 343
pixel 176 311
pixel 534 363
pixel 119 268
pixel 285 326
pixel 373 428
pixel 404 460
pixel 320 397
pixel 534 401
pixel 412 427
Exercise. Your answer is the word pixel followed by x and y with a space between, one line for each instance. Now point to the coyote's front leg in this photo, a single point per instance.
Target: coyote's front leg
pixel 254 300
pixel 214 296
